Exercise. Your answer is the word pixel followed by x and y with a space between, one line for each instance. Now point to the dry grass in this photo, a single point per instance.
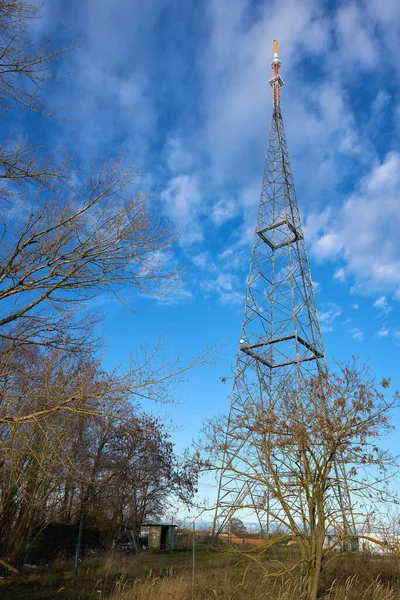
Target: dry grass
pixel 218 576
pixel 221 577
pixel 182 588
pixel 352 590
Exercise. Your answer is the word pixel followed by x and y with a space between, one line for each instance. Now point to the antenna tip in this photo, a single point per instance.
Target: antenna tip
pixel 275 47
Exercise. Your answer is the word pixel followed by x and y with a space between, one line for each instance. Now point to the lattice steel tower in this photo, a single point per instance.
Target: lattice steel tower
pixel 281 335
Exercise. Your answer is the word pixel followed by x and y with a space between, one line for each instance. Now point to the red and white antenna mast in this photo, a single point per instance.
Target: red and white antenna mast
pixel 280 341
pixel 276 80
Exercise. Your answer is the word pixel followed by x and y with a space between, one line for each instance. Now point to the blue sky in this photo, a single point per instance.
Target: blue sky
pixel 182 88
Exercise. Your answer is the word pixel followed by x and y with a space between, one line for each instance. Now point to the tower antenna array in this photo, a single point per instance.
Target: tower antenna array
pixel 280 337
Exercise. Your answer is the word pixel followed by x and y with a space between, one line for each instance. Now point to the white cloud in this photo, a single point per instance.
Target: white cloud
pixel 227 286
pixel 380 302
pixel 235 257
pixel 382 305
pixel 237 111
pixel 182 201
pixel 181 195
pixel 177 296
pixel 386 16
pixel 218 141
pixel 328 245
pixel 383 332
pixel 178 157
pixel 223 210
pixel 316 223
pixel 356 334
pixel 317 287
pixel 202 260
pixel 355 306
pixel 329 313
pixel 340 274
pixel 355 35
pixel 109 99
pixel 396 295
pixel 380 103
pixel 365 232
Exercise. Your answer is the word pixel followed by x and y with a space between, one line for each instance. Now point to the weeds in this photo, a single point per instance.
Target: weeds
pixel 218 576
pixel 181 588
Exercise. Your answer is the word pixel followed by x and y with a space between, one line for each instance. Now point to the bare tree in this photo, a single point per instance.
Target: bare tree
pixel 66 234
pixel 134 475
pixel 37 382
pixel 26 72
pixel 66 245
pixel 292 462
pixel 70 432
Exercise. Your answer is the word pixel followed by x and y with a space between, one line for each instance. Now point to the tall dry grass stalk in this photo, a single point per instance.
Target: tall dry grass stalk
pixel 353 590
pixel 222 587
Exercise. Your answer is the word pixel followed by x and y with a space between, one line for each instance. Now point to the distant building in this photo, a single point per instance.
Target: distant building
pixel 158 537
pixel 350 544
pixel 384 543
pixel 390 543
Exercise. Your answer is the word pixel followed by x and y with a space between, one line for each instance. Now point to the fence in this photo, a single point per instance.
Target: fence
pixel 199 534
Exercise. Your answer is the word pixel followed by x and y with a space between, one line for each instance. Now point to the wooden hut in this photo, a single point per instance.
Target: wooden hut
pixel 158 537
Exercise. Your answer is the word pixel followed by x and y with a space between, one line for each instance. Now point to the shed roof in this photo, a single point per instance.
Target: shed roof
pixel 159 525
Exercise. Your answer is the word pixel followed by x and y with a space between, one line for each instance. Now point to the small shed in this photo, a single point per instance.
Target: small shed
pixel 159 537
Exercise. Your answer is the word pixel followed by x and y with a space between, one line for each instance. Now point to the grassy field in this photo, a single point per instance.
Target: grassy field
pixel 221 576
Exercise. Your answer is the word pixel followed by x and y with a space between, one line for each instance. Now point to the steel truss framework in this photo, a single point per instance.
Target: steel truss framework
pixel 280 337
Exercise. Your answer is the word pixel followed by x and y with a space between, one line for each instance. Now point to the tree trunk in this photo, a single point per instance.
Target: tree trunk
pixel 318 557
